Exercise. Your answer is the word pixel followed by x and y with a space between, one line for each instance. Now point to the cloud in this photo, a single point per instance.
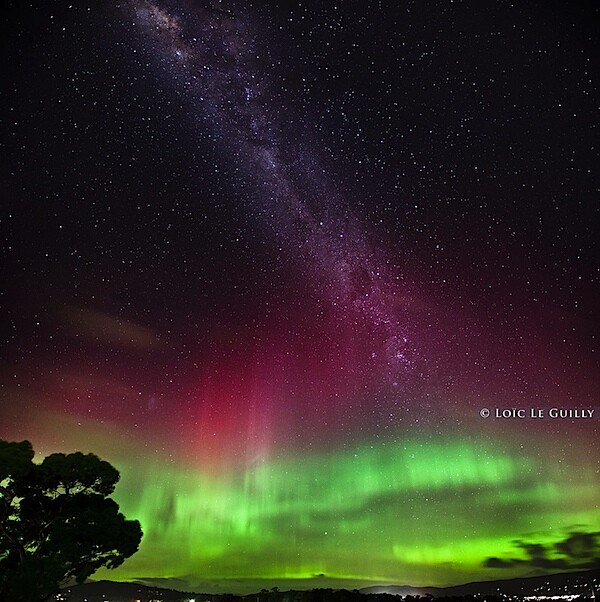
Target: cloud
pixel 497 563
pixel 107 329
pixel 578 550
pixel 579 545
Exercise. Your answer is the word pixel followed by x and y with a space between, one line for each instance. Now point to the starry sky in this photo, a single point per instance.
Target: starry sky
pixel 293 267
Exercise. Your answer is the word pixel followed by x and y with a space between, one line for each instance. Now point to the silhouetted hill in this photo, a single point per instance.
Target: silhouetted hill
pixel 111 591
pixel 580 583
pixel 524 586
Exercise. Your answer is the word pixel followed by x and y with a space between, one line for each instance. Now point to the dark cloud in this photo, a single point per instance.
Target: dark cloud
pixel 576 551
pixel 498 563
pixel 538 557
pixel 579 545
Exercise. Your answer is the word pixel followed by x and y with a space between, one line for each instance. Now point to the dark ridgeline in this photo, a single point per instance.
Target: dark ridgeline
pixel 585 585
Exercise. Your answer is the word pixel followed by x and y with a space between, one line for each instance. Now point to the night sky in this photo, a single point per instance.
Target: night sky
pixel 276 262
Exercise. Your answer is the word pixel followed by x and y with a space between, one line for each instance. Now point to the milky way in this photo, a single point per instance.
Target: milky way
pixel 313 278
pixel 211 54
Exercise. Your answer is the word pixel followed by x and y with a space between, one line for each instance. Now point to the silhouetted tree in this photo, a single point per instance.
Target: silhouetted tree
pixel 56 522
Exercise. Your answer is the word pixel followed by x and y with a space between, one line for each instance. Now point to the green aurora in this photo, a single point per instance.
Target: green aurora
pixel 276 262
pixel 416 512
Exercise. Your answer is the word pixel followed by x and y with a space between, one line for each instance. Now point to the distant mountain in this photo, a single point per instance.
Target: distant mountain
pixel 550 585
pixel 111 591
pixel 546 585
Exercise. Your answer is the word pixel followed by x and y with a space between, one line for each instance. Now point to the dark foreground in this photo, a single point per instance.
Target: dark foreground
pixel 567 587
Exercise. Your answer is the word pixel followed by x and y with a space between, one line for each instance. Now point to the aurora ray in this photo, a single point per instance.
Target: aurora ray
pixel 295 271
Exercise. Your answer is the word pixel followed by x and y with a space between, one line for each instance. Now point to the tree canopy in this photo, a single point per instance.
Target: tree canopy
pixel 56 522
